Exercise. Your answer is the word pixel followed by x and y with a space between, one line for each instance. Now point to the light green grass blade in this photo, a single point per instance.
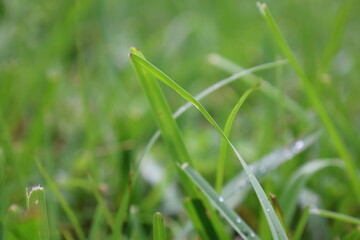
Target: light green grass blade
pixel 172 136
pixel 224 147
pixel 96 224
pixel 37 206
pixel 266 87
pixel 235 190
pixel 289 196
pixel 65 206
pixel 233 219
pixel 316 101
pixel 301 224
pixel 121 215
pixel 335 216
pixel 159 232
pixel 275 226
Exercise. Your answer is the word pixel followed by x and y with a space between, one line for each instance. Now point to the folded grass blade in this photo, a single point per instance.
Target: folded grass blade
pixel 275 226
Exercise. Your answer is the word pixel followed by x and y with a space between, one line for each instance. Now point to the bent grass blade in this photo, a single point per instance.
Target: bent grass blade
pixel 273 221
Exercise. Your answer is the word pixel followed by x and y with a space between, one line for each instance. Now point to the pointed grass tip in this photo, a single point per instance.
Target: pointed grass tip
pixel 184 165
pixel 261 7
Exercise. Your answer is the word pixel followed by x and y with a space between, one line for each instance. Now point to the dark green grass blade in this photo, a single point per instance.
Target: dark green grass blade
pixel 159 231
pixel 224 147
pixel 275 226
pixel 233 219
pixel 316 101
pixel 197 214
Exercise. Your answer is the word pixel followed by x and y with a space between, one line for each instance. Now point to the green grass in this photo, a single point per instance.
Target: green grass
pixel 276 117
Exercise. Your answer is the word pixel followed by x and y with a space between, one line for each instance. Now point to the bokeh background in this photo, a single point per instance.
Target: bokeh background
pixel 69 95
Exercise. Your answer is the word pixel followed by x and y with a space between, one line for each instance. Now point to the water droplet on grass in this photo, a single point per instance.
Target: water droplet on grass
pixel 238 220
pixel 299 145
pixel 221 199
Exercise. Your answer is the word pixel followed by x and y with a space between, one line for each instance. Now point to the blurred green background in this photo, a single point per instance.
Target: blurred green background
pixel 70 98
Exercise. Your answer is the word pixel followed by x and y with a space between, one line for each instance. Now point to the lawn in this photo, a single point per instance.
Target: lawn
pixel 179 119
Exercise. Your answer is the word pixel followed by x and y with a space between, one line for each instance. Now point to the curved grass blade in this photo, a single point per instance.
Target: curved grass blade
pixel 223 147
pixel 266 87
pixel 275 226
pixel 289 196
pixel 316 101
pixel 235 190
pixel 236 76
pixel 233 219
pixel 159 232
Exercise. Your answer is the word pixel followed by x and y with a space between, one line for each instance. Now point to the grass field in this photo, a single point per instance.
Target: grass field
pixel 179 119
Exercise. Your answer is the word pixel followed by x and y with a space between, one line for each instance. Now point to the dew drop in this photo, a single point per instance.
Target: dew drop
pixel 221 199
pixel 238 220
pixel 268 210
pixel 252 234
pixel 299 145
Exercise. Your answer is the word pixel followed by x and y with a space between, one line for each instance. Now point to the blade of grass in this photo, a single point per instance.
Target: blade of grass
pixel 223 147
pixel 275 226
pixel 65 206
pixel 301 224
pixel 335 216
pixel 316 101
pixel 159 232
pixel 233 219
pixel 97 220
pixel 36 205
pixel 172 136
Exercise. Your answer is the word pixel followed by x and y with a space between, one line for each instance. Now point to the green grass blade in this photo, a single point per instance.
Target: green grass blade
pixel 96 224
pixel 159 232
pixel 316 101
pixel 223 146
pixel 301 224
pixel 233 219
pixel 335 216
pixel 37 206
pixel 121 215
pixel 65 206
pixel 275 226
pixel 266 87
